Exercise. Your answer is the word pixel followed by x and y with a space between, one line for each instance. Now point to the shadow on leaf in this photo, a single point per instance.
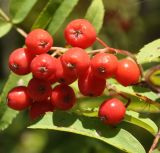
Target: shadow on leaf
pixel 63 119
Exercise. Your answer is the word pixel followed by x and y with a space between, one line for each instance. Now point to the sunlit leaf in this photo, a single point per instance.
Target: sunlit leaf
pixel 95 14
pixel 142 99
pixel 61 14
pixel 5 27
pixel 137 119
pixel 149 52
pixel 19 9
pixel 91 127
pixel 46 14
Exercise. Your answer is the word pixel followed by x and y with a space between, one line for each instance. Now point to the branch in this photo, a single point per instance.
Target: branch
pixel 155 142
pixel 119 93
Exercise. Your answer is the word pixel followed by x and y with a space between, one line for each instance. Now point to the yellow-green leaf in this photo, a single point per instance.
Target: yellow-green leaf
pixel 5 27
pixel 19 9
pixel 95 14
pixel 61 14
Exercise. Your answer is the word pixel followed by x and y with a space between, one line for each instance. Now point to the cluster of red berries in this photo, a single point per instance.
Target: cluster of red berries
pixel 74 64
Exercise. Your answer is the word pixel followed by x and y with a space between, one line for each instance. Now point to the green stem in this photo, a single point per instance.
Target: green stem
pixel 4 15
pixel 21 31
pixel 7 19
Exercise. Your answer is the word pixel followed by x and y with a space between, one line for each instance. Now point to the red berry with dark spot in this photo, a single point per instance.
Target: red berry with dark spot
pixel 43 66
pixel 128 72
pixel 75 61
pixel 39 41
pixel 104 65
pixel 112 111
pixel 91 85
pixel 63 97
pixel 62 76
pixel 80 33
pixel 39 108
pixel 19 61
pixel 39 90
pixel 18 98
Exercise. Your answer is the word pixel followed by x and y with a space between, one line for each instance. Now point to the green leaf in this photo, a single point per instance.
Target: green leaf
pixel 95 14
pixel 5 27
pixel 142 99
pixel 91 127
pixel 61 14
pixel 146 123
pixel 19 9
pixel 88 106
pixel 149 53
pixel 7 114
pixel 46 14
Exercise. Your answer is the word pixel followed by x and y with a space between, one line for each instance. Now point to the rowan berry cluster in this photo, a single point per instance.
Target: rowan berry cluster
pixel 49 88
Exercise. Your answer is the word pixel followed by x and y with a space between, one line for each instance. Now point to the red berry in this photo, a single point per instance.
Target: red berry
pixel 39 108
pixel 112 111
pixel 104 65
pixel 43 66
pixel 80 33
pixel 63 97
pixel 75 61
pixel 18 98
pixel 39 41
pixel 53 78
pixel 19 61
pixel 127 73
pixel 91 85
pixel 39 90
pixel 62 76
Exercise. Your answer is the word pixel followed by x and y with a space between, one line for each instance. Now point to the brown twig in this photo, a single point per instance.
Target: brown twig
pixel 102 42
pixel 155 142
pixel 104 50
pixel 114 50
pixel 120 93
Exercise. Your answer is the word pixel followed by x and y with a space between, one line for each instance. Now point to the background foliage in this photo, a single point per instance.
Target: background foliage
pixel 129 27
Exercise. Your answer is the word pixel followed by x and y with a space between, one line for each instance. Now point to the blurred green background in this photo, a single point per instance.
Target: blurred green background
pixel 128 24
